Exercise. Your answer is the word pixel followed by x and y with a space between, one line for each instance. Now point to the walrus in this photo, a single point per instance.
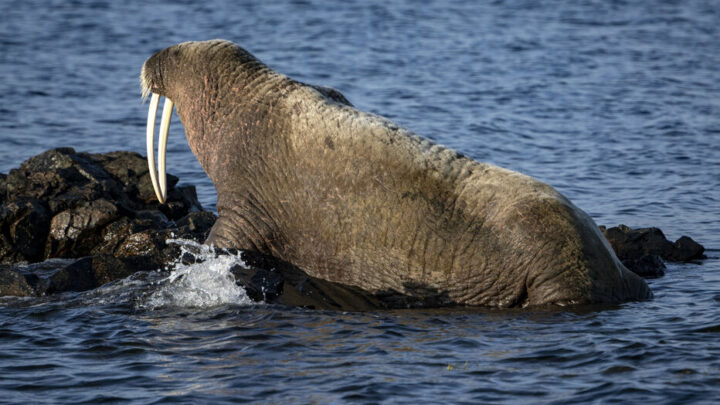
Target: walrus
pixel 349 197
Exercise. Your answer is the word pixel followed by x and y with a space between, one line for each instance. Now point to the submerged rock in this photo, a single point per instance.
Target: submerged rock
pixel 86 274
pixel 63 275
pixel 642 250
pixel 24 223
pixel 631 243
pixel 14 282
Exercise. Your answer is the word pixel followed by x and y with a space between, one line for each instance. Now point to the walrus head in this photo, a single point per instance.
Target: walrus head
pixel 189 72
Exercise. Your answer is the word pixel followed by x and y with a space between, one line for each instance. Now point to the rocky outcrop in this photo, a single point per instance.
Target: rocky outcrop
pixel 74 221
pixel 67 204
pixel 631 243
pixel 98 207
pixel 643 250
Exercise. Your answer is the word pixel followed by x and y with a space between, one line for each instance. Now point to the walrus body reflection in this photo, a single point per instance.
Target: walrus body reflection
pixel 350 197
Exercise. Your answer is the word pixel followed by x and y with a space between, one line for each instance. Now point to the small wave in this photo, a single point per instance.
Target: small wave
pixel 207 282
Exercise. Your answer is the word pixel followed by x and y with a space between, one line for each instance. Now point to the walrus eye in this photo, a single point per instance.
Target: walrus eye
pixel 160 189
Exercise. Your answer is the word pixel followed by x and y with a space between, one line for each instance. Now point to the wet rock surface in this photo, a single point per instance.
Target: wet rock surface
pixel 73 221
pixel 13 282
pixel 100 208
pixel 643 250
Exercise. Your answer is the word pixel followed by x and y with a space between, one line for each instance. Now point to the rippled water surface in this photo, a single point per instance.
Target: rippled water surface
pixel 615 103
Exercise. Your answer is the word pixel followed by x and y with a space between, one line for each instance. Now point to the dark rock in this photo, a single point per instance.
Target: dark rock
pixel 686 249
pixel 635 243
pixel 24 226
pixel 181 200
pixel 155 217
pixel 75 232
pixel 145 190
pixel 62 203
pixel 115 234
pixel 643 250
pixel 143 263
pixel 37 274
pixel 13 282
pixel 74 277
pixel 130 169
pixel 87 273
pixel 66 179
pixel 144 243
pixel 62 275
pixel 62 178
pixel 648 266
pixel 8 254
pixel 197 223
pixel 126 167
pixel 128 238
pixel 67 204
pixel 3 187
pixel 106 268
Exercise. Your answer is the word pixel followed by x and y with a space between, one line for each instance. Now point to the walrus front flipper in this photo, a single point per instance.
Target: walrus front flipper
pixel 275 281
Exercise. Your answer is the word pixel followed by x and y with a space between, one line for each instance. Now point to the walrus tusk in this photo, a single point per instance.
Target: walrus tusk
pixel 161 188
pixel 162 146
pixel 152 115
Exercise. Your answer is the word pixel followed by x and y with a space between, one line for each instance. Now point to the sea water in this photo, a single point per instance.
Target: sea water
pixel 614 103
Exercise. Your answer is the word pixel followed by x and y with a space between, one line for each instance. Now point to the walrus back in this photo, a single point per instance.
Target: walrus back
pixel 481 234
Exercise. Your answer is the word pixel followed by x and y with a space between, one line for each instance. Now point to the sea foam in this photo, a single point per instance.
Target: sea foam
pixel 206 283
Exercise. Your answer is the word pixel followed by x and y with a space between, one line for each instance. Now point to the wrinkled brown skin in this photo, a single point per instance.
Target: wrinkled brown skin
pixel 350 197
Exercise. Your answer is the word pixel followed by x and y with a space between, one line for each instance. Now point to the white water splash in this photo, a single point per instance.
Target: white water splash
pixel 206 283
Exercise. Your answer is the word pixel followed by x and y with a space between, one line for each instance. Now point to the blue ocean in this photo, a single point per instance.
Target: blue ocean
pixel 614 103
